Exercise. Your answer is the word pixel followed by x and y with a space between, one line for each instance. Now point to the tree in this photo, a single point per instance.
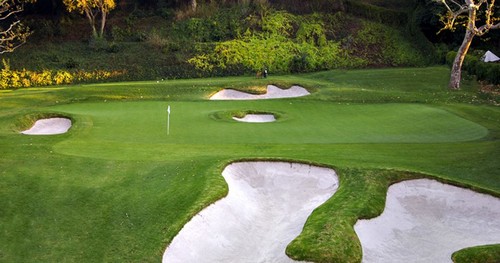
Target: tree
pixel 12 32
pixel 92 10
pixel 467 12
pixel 193 5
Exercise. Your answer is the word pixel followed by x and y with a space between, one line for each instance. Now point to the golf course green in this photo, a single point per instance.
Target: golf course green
pixel 117 188
pixel 130 125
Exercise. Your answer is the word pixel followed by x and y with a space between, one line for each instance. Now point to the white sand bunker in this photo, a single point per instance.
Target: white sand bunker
pixel 265 209
pixel 256 118
pixel 273 92
pixel 426 221
pixel 49 126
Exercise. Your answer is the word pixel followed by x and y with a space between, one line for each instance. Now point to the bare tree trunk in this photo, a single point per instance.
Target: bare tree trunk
pixel 103 23
pixel 193 5
pixel 91 19
pixel 456 69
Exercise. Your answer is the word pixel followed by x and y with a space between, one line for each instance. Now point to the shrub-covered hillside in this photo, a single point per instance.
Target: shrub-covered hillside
pixel 159 39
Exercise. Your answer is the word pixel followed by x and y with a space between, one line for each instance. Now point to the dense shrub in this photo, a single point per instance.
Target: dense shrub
pixel 222 25
pixel 312 31
pixel 375 13
pixel 382 45
pixel 289 43
pixel 156 40
pixel 278 23
pixel 307 7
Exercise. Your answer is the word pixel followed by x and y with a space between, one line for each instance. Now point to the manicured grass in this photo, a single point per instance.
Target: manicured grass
pixel 117 188
pixel 130 125
pixel 481 254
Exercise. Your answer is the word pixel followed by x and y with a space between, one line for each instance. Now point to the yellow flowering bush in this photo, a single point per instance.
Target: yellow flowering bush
pixel 63 77
pixel 14 79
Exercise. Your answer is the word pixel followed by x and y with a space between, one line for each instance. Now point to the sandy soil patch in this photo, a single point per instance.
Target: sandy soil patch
pixel 426 221
pixel 272 92
pixel 256 118
pixel 49 126
pixel 265 209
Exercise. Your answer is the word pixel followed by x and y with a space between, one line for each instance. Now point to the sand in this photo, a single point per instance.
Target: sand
pixel 273 92
pixel 426 221
pixel 49 126
pixel 256 118
pixel 265 209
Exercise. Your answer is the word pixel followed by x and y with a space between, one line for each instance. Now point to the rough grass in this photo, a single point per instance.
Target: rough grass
pixel 117 188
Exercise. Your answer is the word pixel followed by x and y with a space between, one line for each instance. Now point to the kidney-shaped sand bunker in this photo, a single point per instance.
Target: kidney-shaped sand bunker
pixel 49 126
pixel 272 92
pixel 265 209
pixel 426 221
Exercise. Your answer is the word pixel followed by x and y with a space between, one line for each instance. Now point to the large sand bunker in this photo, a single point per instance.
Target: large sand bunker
pixel 273 92
pixel 256 118
pixel 49 126
pixel 426 221
pixel 265 209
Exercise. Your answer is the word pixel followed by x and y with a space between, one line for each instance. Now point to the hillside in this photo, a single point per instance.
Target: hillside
pixel 151 40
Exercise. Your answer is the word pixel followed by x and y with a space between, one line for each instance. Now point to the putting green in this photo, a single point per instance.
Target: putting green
pixel 141 126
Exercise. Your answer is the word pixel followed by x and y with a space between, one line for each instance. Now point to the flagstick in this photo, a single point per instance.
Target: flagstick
pixel 168 120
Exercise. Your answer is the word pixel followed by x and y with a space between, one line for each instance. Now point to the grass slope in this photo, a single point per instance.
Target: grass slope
pixel 116 188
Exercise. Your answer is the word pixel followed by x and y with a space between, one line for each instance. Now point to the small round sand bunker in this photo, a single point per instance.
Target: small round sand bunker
pixel 265 209
pixel 272 92
pixel 49 126
pixel 256 118
pixel 426 221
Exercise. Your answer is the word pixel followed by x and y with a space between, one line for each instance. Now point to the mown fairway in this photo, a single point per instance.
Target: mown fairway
pixel 117 188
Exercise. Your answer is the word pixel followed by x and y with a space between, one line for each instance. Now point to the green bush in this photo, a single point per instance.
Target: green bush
pixel 299 63
pixel 493 73
pixel 223 25
pixel 156 40
pixel 450 57
pixel 120 34
pixel 375 13
pixel 279 23
pixel 307 7
pixel 440 51
pixel 312 32
pixel 71 63
pixel 382 45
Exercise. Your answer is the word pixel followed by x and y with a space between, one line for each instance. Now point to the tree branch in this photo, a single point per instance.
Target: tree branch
pixel 15 34
pixel 10 28
pixel 487 27
pixel 2 50
pixel 9 12
pixel 456 3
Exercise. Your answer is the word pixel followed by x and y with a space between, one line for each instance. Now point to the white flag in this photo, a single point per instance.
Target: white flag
pixel 168 109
